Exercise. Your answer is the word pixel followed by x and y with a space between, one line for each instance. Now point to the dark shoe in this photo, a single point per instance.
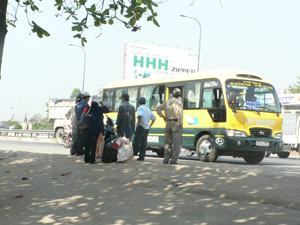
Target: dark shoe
pixel 139 159
pixel 173 162
pixel 165 162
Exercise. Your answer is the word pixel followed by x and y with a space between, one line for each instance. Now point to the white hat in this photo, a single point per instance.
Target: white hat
pixel 95 98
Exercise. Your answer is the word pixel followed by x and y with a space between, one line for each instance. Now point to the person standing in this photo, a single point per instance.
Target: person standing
pixel 96 128
pixel 126 118
pixel 172 113
pixel 144 116
pixel 71 115
pixel 80 109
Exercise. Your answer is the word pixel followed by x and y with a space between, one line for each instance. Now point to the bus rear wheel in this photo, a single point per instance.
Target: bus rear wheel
pixel 205 149
pixel 254 158
pixel 283 155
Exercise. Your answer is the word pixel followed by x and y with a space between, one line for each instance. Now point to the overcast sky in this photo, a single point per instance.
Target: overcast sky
pixel 253 35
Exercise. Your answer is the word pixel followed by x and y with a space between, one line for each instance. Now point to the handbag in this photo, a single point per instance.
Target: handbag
pixel 85 121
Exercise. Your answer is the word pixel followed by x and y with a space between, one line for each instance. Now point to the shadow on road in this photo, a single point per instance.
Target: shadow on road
pixel 55 189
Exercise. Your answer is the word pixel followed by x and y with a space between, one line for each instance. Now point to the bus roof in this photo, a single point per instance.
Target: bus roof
pixel 222 75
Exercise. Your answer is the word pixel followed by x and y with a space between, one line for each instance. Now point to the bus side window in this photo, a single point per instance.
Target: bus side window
pixel 208 99
pixel 133 92
pixel 212 98
pixel 153 94
pixel 191 95
pixel 117 99
pixel 108 98
pixel 157 97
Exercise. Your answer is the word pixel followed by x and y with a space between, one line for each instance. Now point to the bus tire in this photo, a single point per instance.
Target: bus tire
pixel 205 149
pixel 254 158
pixel 59 134
pixel 160 152
pixel 283 155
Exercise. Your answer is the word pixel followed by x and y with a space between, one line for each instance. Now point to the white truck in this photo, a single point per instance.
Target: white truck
pixel 57 110
pixel 291 122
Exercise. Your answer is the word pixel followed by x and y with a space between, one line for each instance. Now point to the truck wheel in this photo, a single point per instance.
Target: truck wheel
pixel 283 155
pixel 59 135
pixel 254 158
pixel 205 149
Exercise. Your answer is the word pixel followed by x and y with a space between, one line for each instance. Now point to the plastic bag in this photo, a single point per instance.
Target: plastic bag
pixel 125 152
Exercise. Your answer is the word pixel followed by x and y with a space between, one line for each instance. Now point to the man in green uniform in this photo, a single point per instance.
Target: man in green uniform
pixel 172 113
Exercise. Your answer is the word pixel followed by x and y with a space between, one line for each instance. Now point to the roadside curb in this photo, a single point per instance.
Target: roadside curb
pixel 26 139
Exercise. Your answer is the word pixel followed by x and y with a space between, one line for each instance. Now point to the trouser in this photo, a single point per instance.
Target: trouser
pixel 140 142
pixel 90 151
pixel 100 145
pixel 173 140
pixel 82 141
pixel 74 145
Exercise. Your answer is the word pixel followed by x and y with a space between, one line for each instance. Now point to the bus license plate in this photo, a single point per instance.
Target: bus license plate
pixel 153 139
pixel 262 143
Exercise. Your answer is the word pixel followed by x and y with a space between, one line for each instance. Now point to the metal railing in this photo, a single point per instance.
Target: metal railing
pixel 27 133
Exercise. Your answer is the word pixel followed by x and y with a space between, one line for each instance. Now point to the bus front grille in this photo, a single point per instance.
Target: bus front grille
pixel 260 132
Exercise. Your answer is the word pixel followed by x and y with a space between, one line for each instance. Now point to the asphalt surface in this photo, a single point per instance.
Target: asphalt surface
pixel 41 184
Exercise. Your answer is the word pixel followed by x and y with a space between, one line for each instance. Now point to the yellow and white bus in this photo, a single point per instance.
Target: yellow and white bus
pixel 225 112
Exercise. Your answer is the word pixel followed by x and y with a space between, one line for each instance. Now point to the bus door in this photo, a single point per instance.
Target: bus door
pixel 213 100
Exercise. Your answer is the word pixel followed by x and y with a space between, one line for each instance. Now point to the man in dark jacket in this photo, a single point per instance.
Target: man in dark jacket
pixel 126 118
pixel 97 127
pixel 82 134
pixel 71 115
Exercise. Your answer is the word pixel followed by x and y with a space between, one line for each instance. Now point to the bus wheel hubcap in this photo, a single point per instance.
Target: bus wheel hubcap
pixel 205 147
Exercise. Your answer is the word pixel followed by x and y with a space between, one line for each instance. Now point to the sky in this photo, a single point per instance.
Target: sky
pixel 252 35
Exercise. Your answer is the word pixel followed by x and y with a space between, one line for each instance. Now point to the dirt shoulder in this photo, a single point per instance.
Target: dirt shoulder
pixel 57 189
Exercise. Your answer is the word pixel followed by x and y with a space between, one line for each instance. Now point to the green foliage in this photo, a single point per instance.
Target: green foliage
pixel 36 118
pixel 40 123
pixel 295 88
pixel 88 14
pixel 13 123
pixel 43 124
pixel 75 92
pixel 39 30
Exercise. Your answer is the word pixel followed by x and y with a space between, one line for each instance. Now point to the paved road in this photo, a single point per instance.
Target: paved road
pixel 58 189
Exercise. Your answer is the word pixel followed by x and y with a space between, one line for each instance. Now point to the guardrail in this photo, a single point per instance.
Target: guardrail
pixel 27 133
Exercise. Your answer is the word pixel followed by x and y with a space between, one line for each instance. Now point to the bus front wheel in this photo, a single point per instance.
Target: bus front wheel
pixel 205 149
pixel 254 158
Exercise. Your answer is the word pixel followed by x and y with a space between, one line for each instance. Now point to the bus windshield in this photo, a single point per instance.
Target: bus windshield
pixel 252 95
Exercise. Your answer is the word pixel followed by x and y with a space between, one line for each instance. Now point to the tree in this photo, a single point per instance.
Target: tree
pixel 75 92
pixel 36 118
pixel 295 88
pixel 82 14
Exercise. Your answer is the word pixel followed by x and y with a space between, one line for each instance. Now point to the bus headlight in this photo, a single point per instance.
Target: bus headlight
pixel 278 135
pixel 236 133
